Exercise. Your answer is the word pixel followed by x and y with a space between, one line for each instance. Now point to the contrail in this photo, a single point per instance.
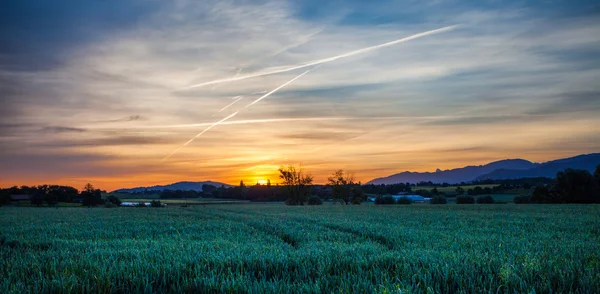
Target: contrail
pixel 288 82
pixel 247 121
pixel 238 98
pixel 200 134
pixel 325 60
pixel 230 104
pixel 234 114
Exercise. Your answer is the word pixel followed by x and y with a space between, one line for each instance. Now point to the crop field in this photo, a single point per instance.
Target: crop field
pixel 190 201
pixel 257 248
pixel 452 189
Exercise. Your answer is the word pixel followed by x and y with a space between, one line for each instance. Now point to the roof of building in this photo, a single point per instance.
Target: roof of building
pixel 17 197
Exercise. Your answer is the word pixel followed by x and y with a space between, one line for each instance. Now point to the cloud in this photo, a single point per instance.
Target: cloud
pixel 512 76
pixel 58 129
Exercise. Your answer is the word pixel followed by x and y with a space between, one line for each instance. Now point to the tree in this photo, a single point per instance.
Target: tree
pixel 296 184
pixel 113 199
pixel 541 194
pixel 91 196
pixel 576 186
pixel 208 189
pixel 358 195
pixel 459 190
pixel 438 200
pixel 597 178
pixel 4 196
pixel 242 190
pixel 341 186
pixel 38 197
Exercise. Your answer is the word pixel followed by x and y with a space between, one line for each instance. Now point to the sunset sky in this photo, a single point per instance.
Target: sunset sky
pixel 102 91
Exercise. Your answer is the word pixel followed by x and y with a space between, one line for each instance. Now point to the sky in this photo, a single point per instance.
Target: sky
pixel 117 92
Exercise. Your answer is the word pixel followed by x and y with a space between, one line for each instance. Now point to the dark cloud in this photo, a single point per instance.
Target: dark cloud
pixel 477 120
pixel 322 136
pixel 125 119
pixel 58 129
pixel 37 34
pixel 109 141
pixel 570 102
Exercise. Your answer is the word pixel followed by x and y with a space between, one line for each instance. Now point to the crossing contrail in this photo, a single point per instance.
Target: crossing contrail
pixel 321 61
pixel 200 134
pixel 230 104
pixel 276 89
pixel 235 113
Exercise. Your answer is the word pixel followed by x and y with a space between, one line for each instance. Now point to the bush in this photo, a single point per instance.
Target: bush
pixel 438 200
pixel 140 204
pixel 465 200
pixel 113 199
pixel 109 204
pixel 487 199
pixel 523 199
pixel 385 200
pixel 404 200
pixel 315 200
pixel 156 203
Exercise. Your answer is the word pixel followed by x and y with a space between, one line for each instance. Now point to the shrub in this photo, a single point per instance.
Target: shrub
pixel 385 200
pixel 113 199
pixel 155 203
pixel 315 200
pixel 140 204
pixel 523 199
pixel 109 204
pixel 487 199
pixel 465 200
pixel 404 200
pixel 438 200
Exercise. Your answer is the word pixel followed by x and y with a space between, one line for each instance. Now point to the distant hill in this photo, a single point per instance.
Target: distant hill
pixel 503 169
pixel 547 169
pixel 457 175
pixel 184 186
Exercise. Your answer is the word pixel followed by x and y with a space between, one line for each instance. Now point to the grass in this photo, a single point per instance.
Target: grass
pixel 256 248
pixel 190 201
pixel 452 189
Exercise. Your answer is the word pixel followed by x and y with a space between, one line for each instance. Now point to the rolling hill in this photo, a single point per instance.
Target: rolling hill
pixel 503 169
pixel 547 169
pixel 184 186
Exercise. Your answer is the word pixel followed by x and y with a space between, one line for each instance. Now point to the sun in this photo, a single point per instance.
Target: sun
pixel 262 182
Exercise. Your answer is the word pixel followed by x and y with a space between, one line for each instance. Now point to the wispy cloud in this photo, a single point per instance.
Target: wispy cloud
pixel 511 77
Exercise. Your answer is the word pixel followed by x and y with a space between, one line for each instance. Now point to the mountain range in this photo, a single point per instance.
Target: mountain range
pixel 184 186
pixel 498 170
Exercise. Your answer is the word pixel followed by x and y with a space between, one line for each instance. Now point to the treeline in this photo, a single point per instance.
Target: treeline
pixel 51 195
pixel 569 186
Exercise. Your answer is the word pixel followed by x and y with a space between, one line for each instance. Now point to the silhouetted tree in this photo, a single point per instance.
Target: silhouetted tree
pixel 597 178
pixel 358 195
pixel 459 190
pixel 296 184
pixel 341 186
pixel 208 189
pixel 113 199
pixel 438 200
pixel 576 186
pixel 4 196
pixel 91 197
pixel 541 194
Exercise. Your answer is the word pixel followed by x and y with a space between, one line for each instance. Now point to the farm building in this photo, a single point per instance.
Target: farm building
pixel 134 204
pixel 20 197
pixel 414 198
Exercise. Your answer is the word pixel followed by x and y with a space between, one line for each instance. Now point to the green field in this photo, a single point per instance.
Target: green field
pixel 190 201
pixel 452 189
pixel 257 248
